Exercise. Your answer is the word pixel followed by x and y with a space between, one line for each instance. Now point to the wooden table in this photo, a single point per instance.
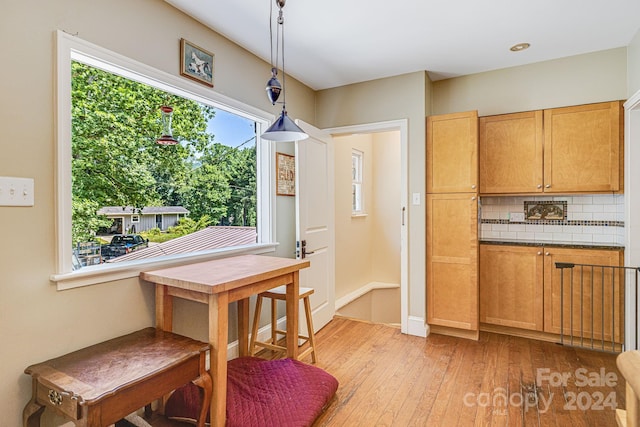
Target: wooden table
pixel 103 383
pixel 218 283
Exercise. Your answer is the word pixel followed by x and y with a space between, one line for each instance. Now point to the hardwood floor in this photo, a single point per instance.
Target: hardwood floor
pixel 390 379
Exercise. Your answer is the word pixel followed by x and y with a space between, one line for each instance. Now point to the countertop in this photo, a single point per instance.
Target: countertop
pixel 555 244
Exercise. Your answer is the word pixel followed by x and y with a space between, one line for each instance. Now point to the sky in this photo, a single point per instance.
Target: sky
pixel 230 129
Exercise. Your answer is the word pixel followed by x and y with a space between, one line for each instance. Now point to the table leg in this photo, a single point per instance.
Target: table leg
pixel 218 338
pixel 164 309
pixel 293 292
pixel 243 327
pixel 32 411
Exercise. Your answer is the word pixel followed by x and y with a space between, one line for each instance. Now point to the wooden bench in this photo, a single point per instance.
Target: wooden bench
pixel 629 364
pixel 103 383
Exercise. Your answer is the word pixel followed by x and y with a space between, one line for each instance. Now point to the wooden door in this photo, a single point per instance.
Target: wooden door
pixel 510 153
pixel 583 148
pixel 452 260
pixel 511 286
pixel 452 153
pixel 599 290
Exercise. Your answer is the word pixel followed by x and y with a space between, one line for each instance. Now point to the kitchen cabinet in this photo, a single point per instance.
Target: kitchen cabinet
pixel 583 148
pixel 575 149
pixel 452 224
pixel 511 287
pixel 452 153
pixel 520 287
pixel 510 153
pixel 452 260
pixel 600 291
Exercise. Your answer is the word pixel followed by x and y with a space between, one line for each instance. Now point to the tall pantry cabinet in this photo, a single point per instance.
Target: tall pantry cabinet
pixel 452 224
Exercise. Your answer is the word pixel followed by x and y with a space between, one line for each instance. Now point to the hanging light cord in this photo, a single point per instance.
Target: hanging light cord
pixel 284 75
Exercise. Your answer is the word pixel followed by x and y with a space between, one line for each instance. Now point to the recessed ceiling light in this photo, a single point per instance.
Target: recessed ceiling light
pixel 518 47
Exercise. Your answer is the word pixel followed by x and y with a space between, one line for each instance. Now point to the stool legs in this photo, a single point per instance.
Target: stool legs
pixel 254 327
pixel 272 343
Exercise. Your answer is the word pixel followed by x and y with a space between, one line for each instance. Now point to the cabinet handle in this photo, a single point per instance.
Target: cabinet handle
pixel 539 252
pixel 539 185
pixel 547 186
pixel 473 198
pixel 473 187
pixel 547 253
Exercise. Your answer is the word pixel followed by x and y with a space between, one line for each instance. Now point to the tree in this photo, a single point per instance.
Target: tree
pixel 117 162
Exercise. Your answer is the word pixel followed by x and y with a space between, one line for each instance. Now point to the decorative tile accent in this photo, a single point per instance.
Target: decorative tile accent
pixel 554 222
pixel 549 210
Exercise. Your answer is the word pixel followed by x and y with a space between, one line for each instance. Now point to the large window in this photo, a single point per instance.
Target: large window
pixel 208 193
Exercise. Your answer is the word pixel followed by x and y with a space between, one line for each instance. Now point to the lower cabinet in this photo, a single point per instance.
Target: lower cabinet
pixel 520 287
pixel 592 301
pixel 511 291
pixel 452 261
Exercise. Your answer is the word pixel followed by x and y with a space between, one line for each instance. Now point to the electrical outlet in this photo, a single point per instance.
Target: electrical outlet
pixel 516 217
pixel 16 191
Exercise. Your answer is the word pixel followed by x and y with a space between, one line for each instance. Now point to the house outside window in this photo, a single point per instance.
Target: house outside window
pixel 357 196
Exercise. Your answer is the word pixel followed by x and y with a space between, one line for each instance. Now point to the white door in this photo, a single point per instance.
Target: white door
pixel 315 220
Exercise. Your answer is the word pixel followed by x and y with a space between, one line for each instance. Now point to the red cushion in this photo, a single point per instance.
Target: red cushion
pixel 278 393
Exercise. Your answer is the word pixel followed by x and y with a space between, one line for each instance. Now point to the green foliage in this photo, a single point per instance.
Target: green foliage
pixel 86 221
pixel 116 161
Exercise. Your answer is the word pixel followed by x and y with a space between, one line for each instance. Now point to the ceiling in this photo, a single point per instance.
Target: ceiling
pixel 333 43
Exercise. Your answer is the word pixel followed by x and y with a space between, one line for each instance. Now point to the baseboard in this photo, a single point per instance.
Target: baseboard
pixel 371 286
pixel 417 327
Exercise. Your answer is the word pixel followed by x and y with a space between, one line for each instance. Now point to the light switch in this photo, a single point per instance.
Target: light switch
pixel 416 198
pixel 16 191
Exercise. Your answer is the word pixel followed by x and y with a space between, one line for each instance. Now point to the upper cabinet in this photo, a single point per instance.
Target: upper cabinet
pixel 511 153
pixel 452 156
pixel 583 147
pixel 562 150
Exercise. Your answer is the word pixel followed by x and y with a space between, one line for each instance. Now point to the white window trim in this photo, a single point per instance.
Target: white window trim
pixel 70 48
pixel 355 213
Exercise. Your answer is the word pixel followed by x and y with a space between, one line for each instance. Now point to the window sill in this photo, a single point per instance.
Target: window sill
pixel 359 215
pixel 109 272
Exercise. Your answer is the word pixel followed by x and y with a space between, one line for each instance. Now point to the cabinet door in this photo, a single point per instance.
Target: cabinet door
pixel 452 260
pixel 452 153
pixel 583 148
pixel 593 299
pixel 511 286
pixel 511 153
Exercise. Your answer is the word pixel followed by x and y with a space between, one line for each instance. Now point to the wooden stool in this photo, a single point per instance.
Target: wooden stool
pixel 279 294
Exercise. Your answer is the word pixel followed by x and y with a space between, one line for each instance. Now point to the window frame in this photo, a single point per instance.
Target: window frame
pixel 358 181
pixel 71 48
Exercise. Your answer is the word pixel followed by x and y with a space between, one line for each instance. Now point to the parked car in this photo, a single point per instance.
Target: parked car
pixel 122 244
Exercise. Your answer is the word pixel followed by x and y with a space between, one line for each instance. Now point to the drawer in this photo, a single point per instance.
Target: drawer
pixel 58 400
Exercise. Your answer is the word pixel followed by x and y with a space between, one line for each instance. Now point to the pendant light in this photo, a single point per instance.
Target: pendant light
pixel 283 129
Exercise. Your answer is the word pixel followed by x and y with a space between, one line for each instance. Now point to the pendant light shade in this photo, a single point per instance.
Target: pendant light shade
pixel 284 129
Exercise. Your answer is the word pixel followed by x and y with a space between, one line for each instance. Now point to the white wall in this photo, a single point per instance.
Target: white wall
pixel 581 79
pixel 368 246
pixel 633 65
pixel 36 321
pixel 400 97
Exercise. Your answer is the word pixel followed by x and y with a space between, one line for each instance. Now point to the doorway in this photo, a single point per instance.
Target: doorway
pixel 371 244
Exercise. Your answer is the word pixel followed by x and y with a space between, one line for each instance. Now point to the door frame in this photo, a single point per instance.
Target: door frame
pixel 631 204
pixel 401 125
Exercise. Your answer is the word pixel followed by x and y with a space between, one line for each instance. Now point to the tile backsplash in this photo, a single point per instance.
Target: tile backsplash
pixel 589 219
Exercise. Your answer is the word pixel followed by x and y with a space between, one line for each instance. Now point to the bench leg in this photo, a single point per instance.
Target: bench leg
pixel 206 384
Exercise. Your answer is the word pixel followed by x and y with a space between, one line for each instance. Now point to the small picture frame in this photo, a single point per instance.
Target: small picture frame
pixel 550 211
pixel 196 63
pixel 285 175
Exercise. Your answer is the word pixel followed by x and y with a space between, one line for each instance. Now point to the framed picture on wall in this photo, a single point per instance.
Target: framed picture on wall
pixel 285 175
pixel 196 63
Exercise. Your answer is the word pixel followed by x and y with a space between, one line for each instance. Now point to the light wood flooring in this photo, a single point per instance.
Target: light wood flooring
pixel 390 379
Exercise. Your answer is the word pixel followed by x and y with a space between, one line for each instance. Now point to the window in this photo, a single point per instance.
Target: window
pixel 357 196
pixel 107 170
